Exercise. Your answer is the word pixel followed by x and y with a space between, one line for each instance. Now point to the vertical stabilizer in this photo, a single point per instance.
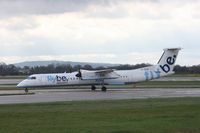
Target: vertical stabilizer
pixel 168 59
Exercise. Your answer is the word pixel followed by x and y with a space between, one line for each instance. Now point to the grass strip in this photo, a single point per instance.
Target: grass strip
pixel 173 115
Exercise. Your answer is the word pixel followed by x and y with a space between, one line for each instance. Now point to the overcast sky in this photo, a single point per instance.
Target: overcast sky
pixel 109 31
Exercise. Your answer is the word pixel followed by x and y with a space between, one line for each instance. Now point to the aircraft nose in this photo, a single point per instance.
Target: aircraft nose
pixel 21 84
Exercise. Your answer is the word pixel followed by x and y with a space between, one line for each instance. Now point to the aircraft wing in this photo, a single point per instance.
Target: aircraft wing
pixel 98 74
pixel 104 72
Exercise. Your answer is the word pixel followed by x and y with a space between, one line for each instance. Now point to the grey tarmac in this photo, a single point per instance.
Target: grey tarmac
pixel 55 95
pixel 10 81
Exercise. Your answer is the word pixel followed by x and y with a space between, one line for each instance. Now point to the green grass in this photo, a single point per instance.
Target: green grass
pixel 169 84
pixel 175 115
pixel 184 75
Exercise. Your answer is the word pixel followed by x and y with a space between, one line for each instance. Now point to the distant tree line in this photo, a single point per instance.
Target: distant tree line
pixel 195 69
pixel 8 70
pixel 60 68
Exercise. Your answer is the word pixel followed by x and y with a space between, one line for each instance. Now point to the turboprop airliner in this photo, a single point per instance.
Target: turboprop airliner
pixel 164 67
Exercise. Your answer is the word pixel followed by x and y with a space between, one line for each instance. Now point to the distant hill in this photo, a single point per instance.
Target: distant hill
pixel 46 63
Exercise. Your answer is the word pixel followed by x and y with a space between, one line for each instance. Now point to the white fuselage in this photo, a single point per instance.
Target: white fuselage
pixel 106 77
pixel 70 79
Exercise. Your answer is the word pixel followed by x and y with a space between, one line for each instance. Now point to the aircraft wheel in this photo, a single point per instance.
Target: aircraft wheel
pixel 93 88
pixel 26 90
pixel 103 88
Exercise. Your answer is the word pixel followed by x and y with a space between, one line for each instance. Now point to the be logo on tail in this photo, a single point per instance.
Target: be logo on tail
pixel 169 61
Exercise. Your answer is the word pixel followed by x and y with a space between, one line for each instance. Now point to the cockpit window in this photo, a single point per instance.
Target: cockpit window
pixel 31 77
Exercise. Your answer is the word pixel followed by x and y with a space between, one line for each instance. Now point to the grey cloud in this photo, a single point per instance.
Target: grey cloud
pixel 10 8
pixel 23 7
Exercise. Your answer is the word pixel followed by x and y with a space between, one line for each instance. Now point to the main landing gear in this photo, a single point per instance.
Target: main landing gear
pixel 26 90
pixel 103 88
pixel 93 87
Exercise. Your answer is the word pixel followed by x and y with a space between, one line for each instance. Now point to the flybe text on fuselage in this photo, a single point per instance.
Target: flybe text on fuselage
pixel 151 74
pixel 56 78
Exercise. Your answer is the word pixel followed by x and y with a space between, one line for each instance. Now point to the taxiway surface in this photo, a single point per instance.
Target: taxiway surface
pixel 84 94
